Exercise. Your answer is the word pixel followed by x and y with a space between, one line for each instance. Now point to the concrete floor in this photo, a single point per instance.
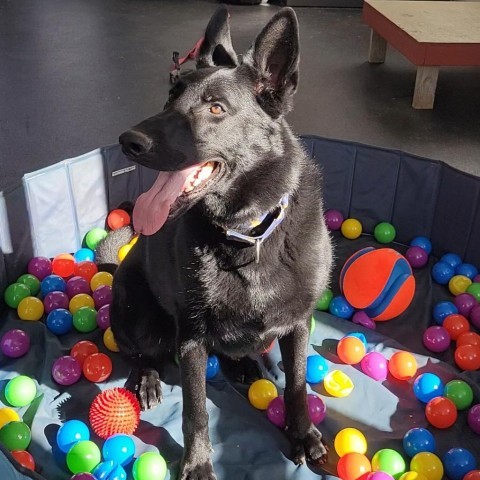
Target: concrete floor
pixel 73 75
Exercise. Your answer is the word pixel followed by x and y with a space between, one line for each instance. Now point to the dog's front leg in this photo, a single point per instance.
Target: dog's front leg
pixel 304 437
pixel 196 464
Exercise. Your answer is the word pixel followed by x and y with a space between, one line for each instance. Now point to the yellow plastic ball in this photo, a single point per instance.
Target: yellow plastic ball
pixel 80 300
pixel 261 393
pixel 123 251
pixel 351 228
pixel 350 440
pixel 133 241
pixel 101 278
pixel 338 384
pixel 109 340
pixel 413 476
pixel 30 308
pixel 458 284
pixel 428 464
pixel 8 415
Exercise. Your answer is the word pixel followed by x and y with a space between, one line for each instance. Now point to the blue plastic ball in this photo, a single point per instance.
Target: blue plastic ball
pixel 427 386
pixel 60 321
pixel 422 242
pixel 418 440
pixel 317 368
pixel 442 273
pixel 52 283
pixel 466 269
pixel 83 255
pixel 458 462
pixel 119 448
pixel 340 307
pixel 70 433
pixel 452 259
pixel 442 310
pixel 109 470
pixel 360 336
pixel 213 367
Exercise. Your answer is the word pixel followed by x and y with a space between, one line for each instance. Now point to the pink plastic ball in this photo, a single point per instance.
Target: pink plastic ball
pixel 375 365
pixel 66 370
pixel 103 317
pixel 102 296
pixel 465 303
pixel 54 300
pixel 361 318
pixel 473 418
pixel 41 267
pixel 378 476
pixel 417 257
pixel 333 219
pixel 15 343
pixel 317 409
pixel 475 317
pixel 276 412
pixel 436 339
pixel 77 285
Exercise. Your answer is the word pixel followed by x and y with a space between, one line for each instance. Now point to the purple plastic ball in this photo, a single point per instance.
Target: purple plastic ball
pixel 417 257
pixel 475 317
pixel 66 370
pixel 464 303
pixel 77 285
pixel 41 267
pixel 15 343
pixel 473 418
pixel 83 476
pixel 276 412
pixel 361 318
pixel 103 317
pixel 375 365
pixel 102 296
pixel 317 409
pixel 436 339
pixel 333 219
pixel 55 300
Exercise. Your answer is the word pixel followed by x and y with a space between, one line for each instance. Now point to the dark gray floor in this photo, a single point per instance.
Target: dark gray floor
pixel 73 75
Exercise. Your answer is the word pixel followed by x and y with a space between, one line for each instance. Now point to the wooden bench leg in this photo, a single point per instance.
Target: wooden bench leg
pixel 378 48
pixel 425 86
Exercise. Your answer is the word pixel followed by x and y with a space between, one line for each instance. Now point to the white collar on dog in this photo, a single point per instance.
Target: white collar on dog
pixel 257 240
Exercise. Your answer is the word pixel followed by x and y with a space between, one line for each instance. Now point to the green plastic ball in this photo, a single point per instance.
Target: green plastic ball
pixel 20 391
pixel 460 393
pixel 15 436
pixel 312 325
pixel 389 461
pixel 85 319
pixel 474 289
pixel 384 232
pixel 324 301
pixel 94 237
pixel 149 466
pixel 84 456
pixel 30 281
pixel 15 293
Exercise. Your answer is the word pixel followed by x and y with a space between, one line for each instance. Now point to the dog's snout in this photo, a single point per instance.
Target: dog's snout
pixel 135 143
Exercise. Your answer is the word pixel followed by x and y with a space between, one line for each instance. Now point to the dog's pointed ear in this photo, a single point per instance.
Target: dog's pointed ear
pixel 216 49
pixel 274 58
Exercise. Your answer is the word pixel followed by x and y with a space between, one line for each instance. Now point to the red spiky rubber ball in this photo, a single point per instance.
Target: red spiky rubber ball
pixel 115 410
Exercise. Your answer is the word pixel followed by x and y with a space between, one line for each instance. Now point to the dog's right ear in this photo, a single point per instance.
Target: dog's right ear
pixel 216 49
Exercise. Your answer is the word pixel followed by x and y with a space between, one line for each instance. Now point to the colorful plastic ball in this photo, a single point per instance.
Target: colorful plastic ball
pixel 418 440
pixel 97 367
pixel 458 284
pixel 83 476
pixel 7 415
pixel 384 232
pixel 31 282
pixel 55 300
pixel 100 279
pixel 66 370
pixel 63 265
pixel 85 270
pixel 379 281
pixel 84 254
pixel 460 393
pixel 149 466
pixel 15 436
pixel 389 461
pixel 375 365
pixel 276 412
pixel 71 432
pixel 474 290
pixel 442 310
pixel 109 470
pixel 83 349
pixel 473 418
pixel 428 464
pixel 350 350
pixel 455 325
pixel 452 259
pixel 94 237
pixel 467 357
pixel 312 325
pixel 24 458
pixel 111 344
pixel 338 384
pixel 360 336
pixel 59 321
pixel 120 448
pixel 361 318
pixel 317 369
pixel 442 273
pixel 417 257
pixel 213 366
pixel 464 303
pixel 324 301
pixel 441 412
pixel 340 307
pixel 85 319
pixel 411 475
pixel 468 338
pixel 115 410
pixel 40 267
pixel 352 466
pixel 261 393
pixel 102 296
pixel 436 339
pixel 333 219
pixel 427 386
pixel 472 475
pixel 317 409
pixel 378 476
pixel 76 285
pixel 103 317
pixel 80 300
pixel 118 218
pixel 351 228
pixel 467 270
pixel 52 283
pixel 458 462
pixel 123 251
pixel 422 242
pixel 475 317
pixel 350 440
pixel 15 293
pixel 15 343
pixel 402 365
pixel 84 456
pixel 20 391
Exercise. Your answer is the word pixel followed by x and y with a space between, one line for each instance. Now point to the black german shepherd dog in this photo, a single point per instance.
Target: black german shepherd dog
pixel 233 250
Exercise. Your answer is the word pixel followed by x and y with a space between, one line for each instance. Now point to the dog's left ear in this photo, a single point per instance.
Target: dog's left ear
pixel 216 49
pixel 274 58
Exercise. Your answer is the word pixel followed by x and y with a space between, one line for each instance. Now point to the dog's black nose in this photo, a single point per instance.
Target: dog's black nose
pixel 135 143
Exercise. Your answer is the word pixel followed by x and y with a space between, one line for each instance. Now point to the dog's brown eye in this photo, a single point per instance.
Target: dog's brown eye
pixel 216 109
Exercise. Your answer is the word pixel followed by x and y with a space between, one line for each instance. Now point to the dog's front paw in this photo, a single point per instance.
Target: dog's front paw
pixel 309 447
pixel 145 383
pixel 197 471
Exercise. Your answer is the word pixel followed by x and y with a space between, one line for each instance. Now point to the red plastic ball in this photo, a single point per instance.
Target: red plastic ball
pixel 115 410
pixel 455 325
pixel 83 349
pixel 85 270
pixel 118 218
pixel 441 412
pixel 63 265
pixel 97 367
pixel 468 338
pixel 352 466
pixel 24 458
pixel 467 357
pixel 472 475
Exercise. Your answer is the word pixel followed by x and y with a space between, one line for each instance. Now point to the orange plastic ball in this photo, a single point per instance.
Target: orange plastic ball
pixel 24 458
pixel 467 357
pixel 352 466
pixel 441 412
pixel 97 367
pixel 402 365
pixel 63 265
pixel 472 475
pixel 455 325
pixel 350 350
pixel 83 349
pixel 118 218
pixel 468 338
